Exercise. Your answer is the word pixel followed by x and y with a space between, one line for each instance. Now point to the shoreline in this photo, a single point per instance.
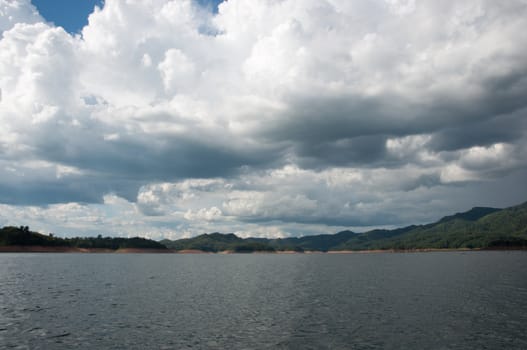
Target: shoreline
pixel 62 249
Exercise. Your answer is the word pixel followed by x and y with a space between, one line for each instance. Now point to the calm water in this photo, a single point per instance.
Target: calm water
pixel 370 301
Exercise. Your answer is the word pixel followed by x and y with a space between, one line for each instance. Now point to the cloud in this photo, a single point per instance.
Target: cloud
pixel 264 114
pixel 14 12
pixel 204 214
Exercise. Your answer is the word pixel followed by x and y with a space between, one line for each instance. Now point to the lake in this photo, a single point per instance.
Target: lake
pixel 441 300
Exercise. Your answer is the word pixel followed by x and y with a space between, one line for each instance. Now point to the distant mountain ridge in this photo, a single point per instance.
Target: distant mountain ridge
pixel 476 228
pixel 480 227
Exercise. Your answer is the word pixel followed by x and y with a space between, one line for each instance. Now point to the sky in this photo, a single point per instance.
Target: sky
pixel 266 118
pixel 70 15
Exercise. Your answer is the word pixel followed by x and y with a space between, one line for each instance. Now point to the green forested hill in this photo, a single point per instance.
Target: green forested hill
pixel 477 228
pixel 473 214
pixel 317 242
pixel 22 236
pixel 217 242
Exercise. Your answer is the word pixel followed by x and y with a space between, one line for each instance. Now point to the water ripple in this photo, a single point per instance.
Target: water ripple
pixel 373 301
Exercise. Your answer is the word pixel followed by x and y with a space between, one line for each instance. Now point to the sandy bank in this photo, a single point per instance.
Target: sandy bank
pixel 192 251
pixel 143 250
pixel 45 249
pixel 374 251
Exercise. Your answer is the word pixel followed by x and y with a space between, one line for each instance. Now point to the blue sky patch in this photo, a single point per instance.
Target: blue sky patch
pixel 73 15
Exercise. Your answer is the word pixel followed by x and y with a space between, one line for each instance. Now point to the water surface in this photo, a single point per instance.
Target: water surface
pixel 447 300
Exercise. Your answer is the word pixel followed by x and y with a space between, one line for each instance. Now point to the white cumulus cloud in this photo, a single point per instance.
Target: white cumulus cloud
pixel 277 117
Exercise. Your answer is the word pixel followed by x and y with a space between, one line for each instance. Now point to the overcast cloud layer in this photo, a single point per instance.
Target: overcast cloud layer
pixel 268 118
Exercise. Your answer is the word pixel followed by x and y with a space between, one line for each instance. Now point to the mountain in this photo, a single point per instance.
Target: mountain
pixel 476 228
pixel 479 227
pixel 317 242
pixel 217 242
pixel 22 236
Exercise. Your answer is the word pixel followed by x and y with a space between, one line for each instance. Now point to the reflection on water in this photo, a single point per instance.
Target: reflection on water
pixel 369 301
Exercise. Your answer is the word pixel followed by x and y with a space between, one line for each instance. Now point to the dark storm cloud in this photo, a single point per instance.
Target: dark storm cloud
pixel 426 180
pixel 503 128
pixel 352 130
pixel 122 166
pixel 65 191
pixel 27 187
pixel 358 150
pixel 48 193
